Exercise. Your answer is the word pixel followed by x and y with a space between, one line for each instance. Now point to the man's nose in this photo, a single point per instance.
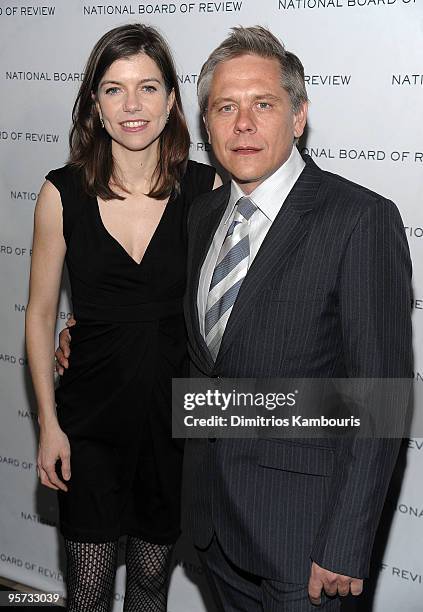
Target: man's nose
pixel 245 120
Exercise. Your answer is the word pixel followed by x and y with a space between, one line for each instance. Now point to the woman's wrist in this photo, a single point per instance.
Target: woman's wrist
pixel 48 421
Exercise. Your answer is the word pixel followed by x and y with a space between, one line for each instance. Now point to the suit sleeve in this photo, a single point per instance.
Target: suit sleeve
pixel 375 316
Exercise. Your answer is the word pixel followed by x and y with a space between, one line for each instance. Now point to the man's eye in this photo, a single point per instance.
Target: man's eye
pixel 263 105
pixel 227 108
pixel 112 90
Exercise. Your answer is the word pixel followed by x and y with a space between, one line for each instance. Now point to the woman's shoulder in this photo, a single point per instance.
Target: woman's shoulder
pixel 66 178
pixel 198 178
pixel 68 182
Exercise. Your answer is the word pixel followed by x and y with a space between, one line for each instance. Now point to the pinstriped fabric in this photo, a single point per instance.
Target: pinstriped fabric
pixel 328 295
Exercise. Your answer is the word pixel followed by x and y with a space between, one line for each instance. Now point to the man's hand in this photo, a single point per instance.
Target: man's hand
pixel 63 351
pixel 332 584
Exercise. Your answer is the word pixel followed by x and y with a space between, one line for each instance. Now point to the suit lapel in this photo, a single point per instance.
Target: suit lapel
pixel 201 236
pixel 286 233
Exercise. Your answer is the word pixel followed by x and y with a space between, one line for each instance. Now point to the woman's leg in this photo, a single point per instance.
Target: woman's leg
pixel 90 575
pixel 147 574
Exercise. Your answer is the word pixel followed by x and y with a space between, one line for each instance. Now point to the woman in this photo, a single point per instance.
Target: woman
pixel 116 212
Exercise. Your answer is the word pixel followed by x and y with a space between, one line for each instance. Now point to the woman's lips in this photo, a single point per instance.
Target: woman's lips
pixel 134 126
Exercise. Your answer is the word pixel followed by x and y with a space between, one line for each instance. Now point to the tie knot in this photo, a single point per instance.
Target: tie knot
pixel 245 207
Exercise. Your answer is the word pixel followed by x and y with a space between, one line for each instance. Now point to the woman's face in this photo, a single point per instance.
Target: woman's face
pixel 133 102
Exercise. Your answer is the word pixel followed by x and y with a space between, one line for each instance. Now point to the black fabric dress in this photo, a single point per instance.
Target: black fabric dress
pixel 114 400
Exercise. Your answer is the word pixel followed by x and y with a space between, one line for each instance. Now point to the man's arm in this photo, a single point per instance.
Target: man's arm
pixel 375 314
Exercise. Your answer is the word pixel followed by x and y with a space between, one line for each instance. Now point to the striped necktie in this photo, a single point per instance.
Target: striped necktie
pixel 231 268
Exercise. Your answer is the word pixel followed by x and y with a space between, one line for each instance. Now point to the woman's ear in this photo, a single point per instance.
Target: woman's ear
pixel 170 101
pixel 97 105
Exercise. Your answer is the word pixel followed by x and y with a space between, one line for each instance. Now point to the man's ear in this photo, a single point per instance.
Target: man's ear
pixel 300 120
pixel 206 125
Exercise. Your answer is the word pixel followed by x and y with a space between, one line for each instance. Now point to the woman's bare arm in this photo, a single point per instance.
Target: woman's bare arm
pixel 48 254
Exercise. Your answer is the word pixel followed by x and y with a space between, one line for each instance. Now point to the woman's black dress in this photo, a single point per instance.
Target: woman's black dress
pixel 114 400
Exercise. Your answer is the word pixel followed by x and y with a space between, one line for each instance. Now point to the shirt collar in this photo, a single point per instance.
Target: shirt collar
pixel 271 193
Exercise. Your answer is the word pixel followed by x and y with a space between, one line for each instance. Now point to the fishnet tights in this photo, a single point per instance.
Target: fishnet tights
pixel 91 569
pixel 90 575
pixel 147 570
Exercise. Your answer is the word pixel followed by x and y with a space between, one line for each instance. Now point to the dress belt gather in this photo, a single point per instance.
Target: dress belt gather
pixel 127 313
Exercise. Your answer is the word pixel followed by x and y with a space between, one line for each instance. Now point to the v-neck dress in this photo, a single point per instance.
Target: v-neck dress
pixel 114 400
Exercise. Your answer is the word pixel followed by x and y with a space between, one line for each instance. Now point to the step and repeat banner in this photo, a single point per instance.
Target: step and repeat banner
pixel 364 65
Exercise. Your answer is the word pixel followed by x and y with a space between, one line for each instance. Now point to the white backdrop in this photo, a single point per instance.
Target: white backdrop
pixel 362 59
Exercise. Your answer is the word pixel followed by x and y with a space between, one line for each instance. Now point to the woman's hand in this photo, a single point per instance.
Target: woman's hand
pixel 54 445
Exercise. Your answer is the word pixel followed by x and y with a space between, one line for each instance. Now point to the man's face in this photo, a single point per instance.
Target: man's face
pixel 250 121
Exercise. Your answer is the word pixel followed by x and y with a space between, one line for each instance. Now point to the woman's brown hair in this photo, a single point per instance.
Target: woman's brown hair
pixel 90 144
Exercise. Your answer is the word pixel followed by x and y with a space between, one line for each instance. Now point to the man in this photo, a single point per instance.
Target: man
pixel 293 272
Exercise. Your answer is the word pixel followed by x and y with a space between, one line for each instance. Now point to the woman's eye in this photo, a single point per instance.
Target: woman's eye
pixel 112 90
pixel 149 88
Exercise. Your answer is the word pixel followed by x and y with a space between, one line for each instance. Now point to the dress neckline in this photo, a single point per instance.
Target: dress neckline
pixel 120 247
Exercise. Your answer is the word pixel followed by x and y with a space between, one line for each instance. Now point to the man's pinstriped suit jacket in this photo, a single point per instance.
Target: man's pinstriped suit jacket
pixel 328 295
